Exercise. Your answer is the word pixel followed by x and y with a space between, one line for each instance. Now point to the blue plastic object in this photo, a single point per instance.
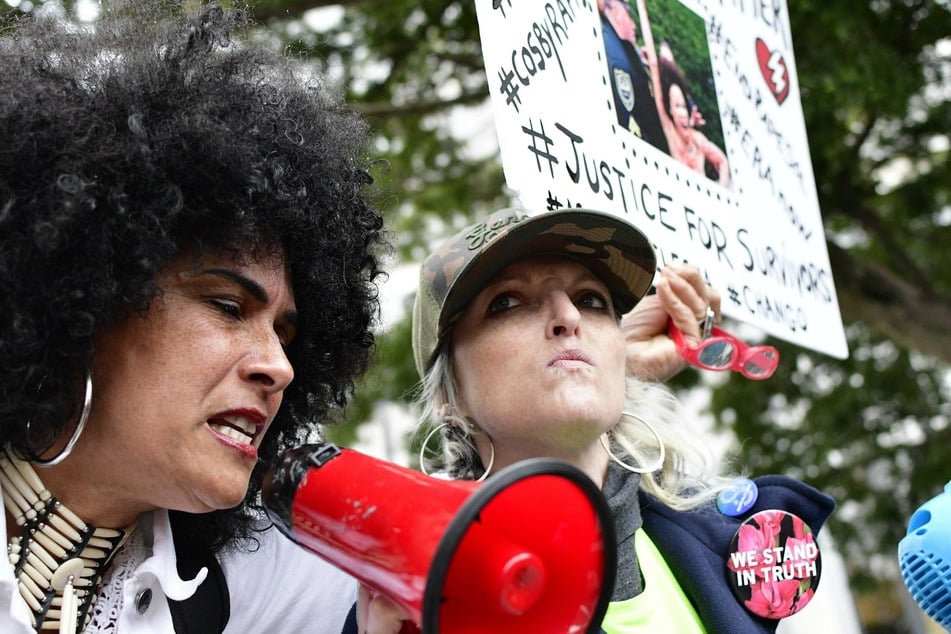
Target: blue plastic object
pixel 924 555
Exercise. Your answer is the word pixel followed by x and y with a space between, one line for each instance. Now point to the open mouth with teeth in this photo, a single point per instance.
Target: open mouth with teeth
pixel 237 428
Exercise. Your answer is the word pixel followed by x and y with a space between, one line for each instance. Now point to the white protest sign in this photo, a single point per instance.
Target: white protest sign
pixel 718 174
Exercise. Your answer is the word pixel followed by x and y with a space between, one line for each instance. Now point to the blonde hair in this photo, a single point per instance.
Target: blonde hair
pixel 690 475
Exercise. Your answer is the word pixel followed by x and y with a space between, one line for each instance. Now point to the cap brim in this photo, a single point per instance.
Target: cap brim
pixel 618 253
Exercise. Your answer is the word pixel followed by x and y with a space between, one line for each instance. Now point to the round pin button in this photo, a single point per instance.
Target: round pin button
pixel 143 600
pixel 774 564
pixel 738 498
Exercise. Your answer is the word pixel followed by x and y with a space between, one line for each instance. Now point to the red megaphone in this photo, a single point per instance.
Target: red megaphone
pixel 531 549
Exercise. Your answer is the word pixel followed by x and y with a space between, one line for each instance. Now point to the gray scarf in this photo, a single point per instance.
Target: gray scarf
pixel 620 489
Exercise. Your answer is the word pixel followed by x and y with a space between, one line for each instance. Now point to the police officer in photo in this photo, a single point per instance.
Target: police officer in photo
pixel 630 82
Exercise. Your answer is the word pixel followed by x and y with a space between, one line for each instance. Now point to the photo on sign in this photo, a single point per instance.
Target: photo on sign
pixel 659 71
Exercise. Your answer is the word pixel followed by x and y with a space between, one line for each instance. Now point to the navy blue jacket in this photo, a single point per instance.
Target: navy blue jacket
pixel 695 545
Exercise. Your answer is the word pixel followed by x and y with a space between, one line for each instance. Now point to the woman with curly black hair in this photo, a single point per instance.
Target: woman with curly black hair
pixel 188 258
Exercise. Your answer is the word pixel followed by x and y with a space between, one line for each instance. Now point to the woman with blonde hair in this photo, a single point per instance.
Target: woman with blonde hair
pixel 519 339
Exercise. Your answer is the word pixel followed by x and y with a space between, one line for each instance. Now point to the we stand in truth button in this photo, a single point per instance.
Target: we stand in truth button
pixel 774 564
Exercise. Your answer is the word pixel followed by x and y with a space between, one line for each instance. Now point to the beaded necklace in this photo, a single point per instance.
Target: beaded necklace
pixel 58 559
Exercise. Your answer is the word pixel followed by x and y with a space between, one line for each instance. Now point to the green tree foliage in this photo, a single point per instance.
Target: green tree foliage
pixel 875 78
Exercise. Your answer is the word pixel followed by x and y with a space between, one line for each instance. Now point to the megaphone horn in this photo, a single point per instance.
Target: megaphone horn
pixel 531 549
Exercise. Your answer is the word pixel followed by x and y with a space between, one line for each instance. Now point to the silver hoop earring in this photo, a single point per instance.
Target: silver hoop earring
pixel 422 451
pixel 83 417
pixel 660 444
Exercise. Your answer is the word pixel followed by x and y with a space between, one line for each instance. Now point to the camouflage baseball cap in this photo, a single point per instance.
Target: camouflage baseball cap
pixel 613 249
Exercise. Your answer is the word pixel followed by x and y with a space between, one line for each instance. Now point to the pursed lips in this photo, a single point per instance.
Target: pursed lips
pixel 240 425
pixel 569 358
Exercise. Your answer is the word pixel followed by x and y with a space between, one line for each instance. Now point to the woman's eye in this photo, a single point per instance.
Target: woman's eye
pixel 286 336
pixel 502 303
pixel 593 300
pixel 227 306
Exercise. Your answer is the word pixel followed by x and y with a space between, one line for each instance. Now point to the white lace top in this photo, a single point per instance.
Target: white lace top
pixel 108 605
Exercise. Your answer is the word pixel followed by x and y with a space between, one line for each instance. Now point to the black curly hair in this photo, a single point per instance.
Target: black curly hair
pixel 671 75
pixel 151 132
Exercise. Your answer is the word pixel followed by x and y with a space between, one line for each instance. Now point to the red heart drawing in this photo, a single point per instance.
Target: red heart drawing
pixel 775 72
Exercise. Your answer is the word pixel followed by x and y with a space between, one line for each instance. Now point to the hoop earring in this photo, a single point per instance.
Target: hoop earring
pixel 422 451
pixel 660 443
pixel 83 417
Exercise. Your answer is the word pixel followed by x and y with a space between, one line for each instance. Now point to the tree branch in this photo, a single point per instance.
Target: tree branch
pixel 870 293
pixel 419 107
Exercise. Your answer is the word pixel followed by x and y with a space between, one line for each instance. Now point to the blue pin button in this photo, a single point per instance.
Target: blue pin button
pixel 738 498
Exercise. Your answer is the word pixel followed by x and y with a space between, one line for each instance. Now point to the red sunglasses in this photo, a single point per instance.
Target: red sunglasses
pixel 722 351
